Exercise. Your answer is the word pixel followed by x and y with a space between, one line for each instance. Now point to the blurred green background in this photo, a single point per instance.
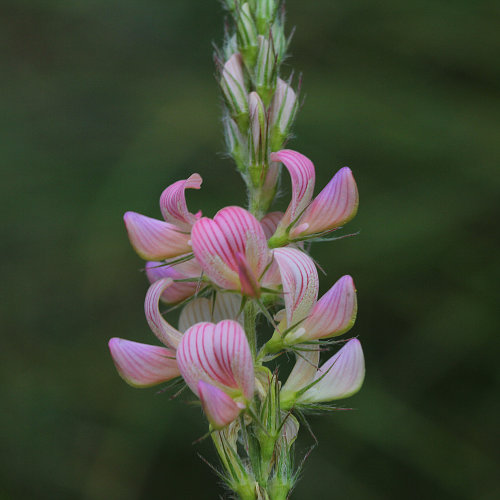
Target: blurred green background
pixel 104 103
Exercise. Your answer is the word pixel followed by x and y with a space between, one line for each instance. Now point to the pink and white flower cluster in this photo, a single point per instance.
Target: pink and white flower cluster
pixel 242 258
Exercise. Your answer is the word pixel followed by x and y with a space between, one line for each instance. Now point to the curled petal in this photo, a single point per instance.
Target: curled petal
pixel 335 205
pixel 225 306
pixel 142 365
pixel 303 372
pixel 173 203
pixel 302 174
pixel 219 408
pixel 343 375
pixel 163 330
pixel 335 313
pixel 300 283
pixel 219 355
pixel 180 290
pixel 154 239
pixel 270 222
pixel 216 243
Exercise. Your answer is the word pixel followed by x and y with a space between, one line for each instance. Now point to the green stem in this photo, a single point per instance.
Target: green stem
pixel 250 320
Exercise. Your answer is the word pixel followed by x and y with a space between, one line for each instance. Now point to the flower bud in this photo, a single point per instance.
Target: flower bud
pixel 265 70
pixel 282 113
pixel 233 86
pixel 247 35
pixel 258 138
pixel 264 12
pixel 280 42
pixel 234 142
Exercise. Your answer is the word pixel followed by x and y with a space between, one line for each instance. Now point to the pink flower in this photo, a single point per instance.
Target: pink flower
pixel 306 317
pixel 339 377
pixel 179 290
pixel 335 205
pixel 157 240
pixel 216 363
pixel 142 365
pixel 232 250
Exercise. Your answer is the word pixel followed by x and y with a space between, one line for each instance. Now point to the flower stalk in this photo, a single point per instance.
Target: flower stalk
pixel 244 267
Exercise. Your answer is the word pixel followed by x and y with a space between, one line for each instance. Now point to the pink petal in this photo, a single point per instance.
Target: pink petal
pixel 283 106
pixel 163 330
pixel 335 205
pixel 178 291
pixel 300 282
pixel 219 408
pixel 216 243
pixel 226 306
pixel 173 203
pixel 270 222
pixel 302 173
pixel 345 372
pixel 303 371
pixel 142 365
pixel 154 239
pixel 219 355
pixel 335 313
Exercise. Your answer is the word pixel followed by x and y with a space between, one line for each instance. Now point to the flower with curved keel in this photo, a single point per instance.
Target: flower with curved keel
pixel 338 378
pixel 216 363
pixel 306 318
pixel 232 250
pixel 158 240
pixel 335 205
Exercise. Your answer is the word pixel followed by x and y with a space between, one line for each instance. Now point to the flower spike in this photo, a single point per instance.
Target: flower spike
pixel 154 239
pixel 173 203
pixel 142 365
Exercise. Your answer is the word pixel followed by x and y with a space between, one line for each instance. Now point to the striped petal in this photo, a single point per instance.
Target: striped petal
pixel 180 290
pixel 142 365
pixel 166 333
pixel 173 203
pixel 300 283
pixel 343 375
pixel 217 242
pixel 303 176
pixel 225 306
pixel 335 205
pixel 335 313
pixel 154 239
pixel 218 354
pixel 303 371
pixel 219 408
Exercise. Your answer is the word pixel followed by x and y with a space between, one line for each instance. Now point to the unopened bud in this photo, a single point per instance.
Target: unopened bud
pixel 258 138
pixel 247 35
pixel 234 142
pixel 280 42
pixel 282 113
pixel 265 70
pixel 233 86
pixel 264 13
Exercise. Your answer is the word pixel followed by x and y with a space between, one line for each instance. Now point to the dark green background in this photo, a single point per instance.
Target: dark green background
pixel 104 103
